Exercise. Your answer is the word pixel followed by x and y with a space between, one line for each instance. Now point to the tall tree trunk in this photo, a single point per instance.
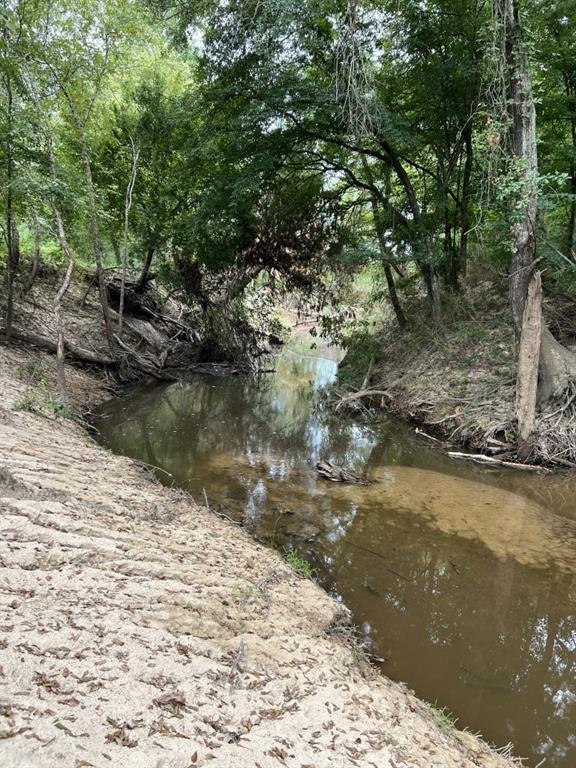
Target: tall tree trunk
pixel 392 293
pixel 12 245
pixel 141 282
pixel 95 237
pixel 57 303
pixel 60 349
pixel 519 81
pixel 528 363
pixel 36 257
pixel 451 255
pixel 539 350
pixel 527 317
pixel 572 217
pixel 465 200
pixel 570 230
pixel 127 206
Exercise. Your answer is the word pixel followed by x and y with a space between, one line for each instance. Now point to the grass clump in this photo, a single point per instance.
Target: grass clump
pixel 300 564
pixel 444 717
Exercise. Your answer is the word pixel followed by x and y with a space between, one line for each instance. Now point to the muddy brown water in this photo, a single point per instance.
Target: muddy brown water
pixel 462 578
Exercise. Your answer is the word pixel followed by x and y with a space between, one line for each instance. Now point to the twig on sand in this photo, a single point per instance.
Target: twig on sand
pixel 479 457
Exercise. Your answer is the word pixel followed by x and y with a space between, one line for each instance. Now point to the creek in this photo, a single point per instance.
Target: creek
pixel 461 577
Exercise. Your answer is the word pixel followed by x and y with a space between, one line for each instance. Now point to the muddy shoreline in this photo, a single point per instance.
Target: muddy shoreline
pixel 140 629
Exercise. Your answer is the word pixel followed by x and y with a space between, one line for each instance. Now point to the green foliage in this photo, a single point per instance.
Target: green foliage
pixel 326 145
pixel 26 402
pixel 39 397
pixel 300 564
pixel 363 349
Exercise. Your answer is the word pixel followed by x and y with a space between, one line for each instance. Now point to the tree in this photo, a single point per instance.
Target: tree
pixel 545 368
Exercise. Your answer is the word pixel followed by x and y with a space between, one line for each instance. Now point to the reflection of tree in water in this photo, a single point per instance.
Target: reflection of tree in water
pixel 488 638
pixel 187 426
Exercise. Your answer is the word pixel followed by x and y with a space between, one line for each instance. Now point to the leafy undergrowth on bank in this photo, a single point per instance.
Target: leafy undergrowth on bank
pixel 458 380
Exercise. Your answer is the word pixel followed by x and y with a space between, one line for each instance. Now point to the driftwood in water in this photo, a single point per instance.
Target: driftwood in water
pixel 338 474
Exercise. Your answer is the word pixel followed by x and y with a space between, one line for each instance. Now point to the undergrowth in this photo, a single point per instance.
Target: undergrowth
pixel 40 397
pixel 300 564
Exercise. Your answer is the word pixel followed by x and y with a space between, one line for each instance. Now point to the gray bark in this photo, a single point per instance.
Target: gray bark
pixel 528 362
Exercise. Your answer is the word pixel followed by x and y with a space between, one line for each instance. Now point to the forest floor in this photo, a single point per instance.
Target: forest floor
pixel 138 629
pixel 457 381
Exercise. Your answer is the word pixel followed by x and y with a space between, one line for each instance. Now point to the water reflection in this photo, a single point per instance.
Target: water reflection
pixel 462 577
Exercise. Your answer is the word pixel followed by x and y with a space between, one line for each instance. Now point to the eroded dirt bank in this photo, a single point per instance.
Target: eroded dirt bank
pixel 137 629
pixel 457 380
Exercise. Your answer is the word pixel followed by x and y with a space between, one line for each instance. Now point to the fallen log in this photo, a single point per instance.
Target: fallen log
pixel 80 353
pixel 91 356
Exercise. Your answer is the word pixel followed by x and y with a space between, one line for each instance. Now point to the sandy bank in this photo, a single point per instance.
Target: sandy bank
pixel 137 629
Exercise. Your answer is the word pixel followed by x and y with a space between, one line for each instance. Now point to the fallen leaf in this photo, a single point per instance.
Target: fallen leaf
pixel 120 737
pixel 173 702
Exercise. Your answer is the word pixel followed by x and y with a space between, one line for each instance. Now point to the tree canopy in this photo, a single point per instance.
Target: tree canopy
pixel 273 139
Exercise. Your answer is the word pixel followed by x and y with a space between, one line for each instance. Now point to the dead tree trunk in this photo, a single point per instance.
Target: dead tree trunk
pixel 528 363
pixel 525 288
